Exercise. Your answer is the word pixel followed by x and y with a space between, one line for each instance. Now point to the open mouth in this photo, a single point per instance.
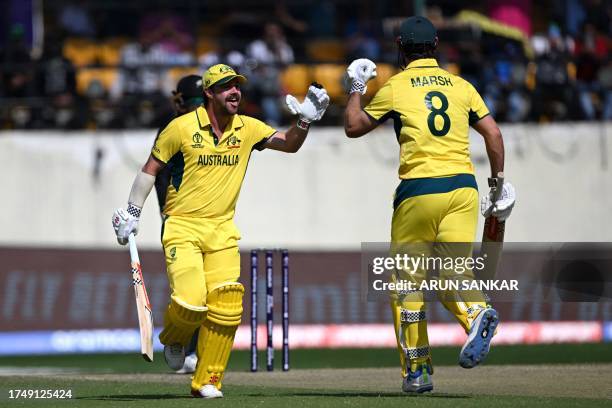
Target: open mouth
pixel 233 102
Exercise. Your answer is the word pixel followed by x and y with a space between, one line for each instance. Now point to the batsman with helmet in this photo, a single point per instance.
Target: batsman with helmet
pixel 188 96
pixel 437 198
pixel 209 150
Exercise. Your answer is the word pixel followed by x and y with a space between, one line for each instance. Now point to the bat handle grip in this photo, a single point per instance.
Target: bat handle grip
pixel 497 183
pixel 133 248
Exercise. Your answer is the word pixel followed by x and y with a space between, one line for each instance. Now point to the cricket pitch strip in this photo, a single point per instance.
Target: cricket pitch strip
pixel 553 380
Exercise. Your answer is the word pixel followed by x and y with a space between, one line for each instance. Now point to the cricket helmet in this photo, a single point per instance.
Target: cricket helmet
pixel 417 30
pixel 189 91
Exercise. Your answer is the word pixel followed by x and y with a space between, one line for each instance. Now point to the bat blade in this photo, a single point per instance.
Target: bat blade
pixel 143 306
pixel 493 230
pixel 493 233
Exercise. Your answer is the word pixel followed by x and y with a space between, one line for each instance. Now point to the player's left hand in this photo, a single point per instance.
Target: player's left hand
pixel 502 208
pixel 358 73
pixel 124 224
pixel 314 105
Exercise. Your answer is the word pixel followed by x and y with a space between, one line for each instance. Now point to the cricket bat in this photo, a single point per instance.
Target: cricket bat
pixel 494 228
pixel 493 234
pixel 145 314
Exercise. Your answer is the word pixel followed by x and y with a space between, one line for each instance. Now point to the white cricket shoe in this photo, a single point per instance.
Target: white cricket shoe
pixel 208 391
pixel 478 343
pixel 175 356
pixel 189 366
pixel 418 381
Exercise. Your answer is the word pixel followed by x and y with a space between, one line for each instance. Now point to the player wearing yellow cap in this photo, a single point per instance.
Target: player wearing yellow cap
pixel 209 150
pixel 437 198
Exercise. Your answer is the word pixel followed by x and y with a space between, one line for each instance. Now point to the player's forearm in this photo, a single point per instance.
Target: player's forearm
pixel 351 115
pixel 356 122
pixel 495 152
pixel 294 138
pixel 494 142
pixel 143 184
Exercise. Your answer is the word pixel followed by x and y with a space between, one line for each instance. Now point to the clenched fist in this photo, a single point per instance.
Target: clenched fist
pixel 358 74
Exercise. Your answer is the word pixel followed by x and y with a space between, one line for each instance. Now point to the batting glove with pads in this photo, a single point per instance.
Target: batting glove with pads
pixel 358 74
pixel 125 223
pixel 502 208
pixel 314 105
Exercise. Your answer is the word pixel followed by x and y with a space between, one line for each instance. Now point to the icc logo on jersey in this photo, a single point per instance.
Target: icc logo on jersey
pixel 197 140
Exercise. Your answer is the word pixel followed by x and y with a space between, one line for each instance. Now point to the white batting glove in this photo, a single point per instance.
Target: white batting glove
pixel 358 74
pixel 314 105
pixel 502 208
pixel 125 223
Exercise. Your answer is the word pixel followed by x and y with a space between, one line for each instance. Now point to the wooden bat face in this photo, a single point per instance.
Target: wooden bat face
pixel 145 314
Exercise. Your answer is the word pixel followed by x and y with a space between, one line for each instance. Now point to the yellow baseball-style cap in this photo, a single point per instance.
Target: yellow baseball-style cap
pixel 220 74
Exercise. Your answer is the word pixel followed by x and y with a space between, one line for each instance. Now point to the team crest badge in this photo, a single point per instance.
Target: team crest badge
pixel 225 68
pixel 233 142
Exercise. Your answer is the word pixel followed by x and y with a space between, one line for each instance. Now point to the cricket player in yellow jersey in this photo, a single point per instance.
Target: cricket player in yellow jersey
pixel 437 198
pixel 209 149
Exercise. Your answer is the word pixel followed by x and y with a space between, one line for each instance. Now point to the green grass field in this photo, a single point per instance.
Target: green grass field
pixel 550 375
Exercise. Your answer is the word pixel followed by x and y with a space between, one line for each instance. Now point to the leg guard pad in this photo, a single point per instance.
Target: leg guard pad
pixel 409 318
pixel 225 304
pixel 217 334
pixel 180 321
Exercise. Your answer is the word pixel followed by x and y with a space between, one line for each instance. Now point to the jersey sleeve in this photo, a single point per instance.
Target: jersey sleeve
pixel 478 109
pixel 381 104
pixel 259 133
pixel 167 143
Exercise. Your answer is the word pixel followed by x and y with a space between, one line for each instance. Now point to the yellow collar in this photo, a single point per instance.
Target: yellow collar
pixel 423 63
pixel 204 121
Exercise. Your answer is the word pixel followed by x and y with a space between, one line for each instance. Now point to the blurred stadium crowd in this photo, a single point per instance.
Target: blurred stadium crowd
pixel 98 64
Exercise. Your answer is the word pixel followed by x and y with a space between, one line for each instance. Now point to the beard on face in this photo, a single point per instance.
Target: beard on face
pixel 231 103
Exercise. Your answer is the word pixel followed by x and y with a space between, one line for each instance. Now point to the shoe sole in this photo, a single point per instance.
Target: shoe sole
pixel 478 343
pixel 420 390
pixel 196 394
pixel 172 366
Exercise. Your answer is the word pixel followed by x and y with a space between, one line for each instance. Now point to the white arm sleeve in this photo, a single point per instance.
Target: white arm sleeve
pixel 141 188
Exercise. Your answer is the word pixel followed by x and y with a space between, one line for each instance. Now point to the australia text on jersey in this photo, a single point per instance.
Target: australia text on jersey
pixel 217 160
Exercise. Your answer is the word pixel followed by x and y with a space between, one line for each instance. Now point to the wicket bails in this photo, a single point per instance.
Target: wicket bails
pixel 269 265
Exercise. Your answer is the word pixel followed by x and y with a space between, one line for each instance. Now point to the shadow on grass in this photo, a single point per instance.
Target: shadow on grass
pixel 134 397
pixel 279 394
pixel 348 394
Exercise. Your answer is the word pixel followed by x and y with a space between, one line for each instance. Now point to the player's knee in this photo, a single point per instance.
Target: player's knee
pixel 187 285
pixel 185 312
pixel 193 297
pixel 225 304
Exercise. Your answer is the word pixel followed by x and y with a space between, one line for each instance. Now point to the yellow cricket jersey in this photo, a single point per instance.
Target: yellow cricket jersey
pixel 432 110
pixel 207 173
